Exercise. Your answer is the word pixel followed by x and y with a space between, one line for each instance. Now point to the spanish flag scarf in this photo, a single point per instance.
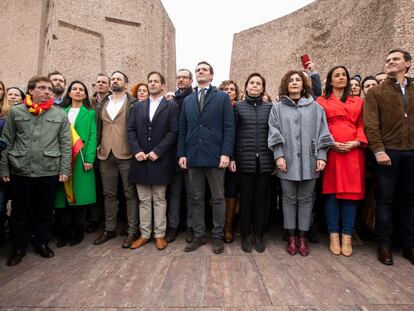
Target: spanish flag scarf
pixel 37 109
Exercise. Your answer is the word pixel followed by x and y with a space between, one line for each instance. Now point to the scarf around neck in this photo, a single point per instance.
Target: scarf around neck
pixel 37 109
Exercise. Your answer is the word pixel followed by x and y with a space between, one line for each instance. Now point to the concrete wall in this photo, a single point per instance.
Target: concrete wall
pixel 355 33
pixel 83 37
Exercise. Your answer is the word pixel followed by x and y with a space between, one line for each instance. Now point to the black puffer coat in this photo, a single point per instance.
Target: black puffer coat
pixel 251 124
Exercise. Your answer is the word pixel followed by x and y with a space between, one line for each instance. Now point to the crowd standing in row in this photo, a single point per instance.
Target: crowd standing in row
pixel 67 155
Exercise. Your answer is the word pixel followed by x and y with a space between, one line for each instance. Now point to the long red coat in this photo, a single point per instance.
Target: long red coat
pixel 345 172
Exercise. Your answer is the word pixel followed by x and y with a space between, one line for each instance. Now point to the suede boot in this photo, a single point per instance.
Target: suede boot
pixel 346 249
pixel 334 245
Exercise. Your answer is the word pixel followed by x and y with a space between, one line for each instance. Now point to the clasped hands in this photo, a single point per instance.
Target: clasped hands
pixel 282 166
pixel 224 162
pixel 142 156
pixel 346 147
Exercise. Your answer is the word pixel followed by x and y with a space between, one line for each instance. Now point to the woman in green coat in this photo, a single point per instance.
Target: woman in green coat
pixel 72 215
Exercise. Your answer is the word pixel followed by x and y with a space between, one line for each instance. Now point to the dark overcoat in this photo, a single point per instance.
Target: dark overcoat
pixel 206 135
pixel 159 136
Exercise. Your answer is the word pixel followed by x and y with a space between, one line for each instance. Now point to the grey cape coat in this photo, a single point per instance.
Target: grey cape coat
pixel 299 133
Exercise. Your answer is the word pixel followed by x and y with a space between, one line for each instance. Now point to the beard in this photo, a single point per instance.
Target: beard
pixel 58 90
pixel 117 88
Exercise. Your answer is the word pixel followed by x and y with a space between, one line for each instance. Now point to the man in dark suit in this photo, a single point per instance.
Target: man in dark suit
pixel 152 135
pixel 205 145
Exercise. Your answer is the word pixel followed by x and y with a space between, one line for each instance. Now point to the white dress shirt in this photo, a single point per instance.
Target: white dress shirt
pixel 73 114
pixel 114 106
pixel 154 103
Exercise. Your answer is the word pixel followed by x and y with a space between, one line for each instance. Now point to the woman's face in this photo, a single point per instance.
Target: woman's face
pixel 295 86
pixel 1 91
pixel 369 84
pixel 339 78
pixel 77 92
pixel 14 96
pixel 142 92
pixel 254 87
pixel 231 90
pixel 355 88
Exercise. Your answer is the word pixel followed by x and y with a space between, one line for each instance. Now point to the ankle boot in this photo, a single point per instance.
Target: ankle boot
pixel 334 245
pixel 292 245
pixel 303 247
pixel 228 230
pixel 346 245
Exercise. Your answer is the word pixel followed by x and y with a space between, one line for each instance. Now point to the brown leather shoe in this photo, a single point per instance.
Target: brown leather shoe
pixel 129 239
pixel 139 242
pixel 408 253
pixel 160 243
pixel 105 237
pixel 384 255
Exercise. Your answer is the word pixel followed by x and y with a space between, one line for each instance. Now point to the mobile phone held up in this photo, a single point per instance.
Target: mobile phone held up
pixel 305 59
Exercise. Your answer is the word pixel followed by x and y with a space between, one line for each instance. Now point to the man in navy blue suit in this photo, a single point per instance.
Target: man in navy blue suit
pixel 205 145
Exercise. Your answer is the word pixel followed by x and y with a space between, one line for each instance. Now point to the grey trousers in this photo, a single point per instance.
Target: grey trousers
pixel 149 194
pixel 174 200
pixel 197 178
pixel 297 201
pixel 109 169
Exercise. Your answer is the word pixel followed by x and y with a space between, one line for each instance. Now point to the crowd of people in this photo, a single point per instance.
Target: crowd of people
pixel 155 159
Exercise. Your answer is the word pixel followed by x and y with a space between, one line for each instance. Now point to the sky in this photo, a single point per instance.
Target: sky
pixel 213 23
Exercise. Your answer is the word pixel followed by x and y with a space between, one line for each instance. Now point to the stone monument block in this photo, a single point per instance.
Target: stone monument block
pixel 83 37
pixel 357 34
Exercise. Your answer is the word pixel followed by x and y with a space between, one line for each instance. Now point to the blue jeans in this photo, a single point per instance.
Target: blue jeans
pixel 333 207
pixel 395 190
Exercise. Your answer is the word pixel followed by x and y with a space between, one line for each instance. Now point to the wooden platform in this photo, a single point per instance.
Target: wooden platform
pixel 107 277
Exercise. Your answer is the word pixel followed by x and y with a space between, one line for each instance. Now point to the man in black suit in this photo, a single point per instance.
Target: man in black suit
pixel 152 135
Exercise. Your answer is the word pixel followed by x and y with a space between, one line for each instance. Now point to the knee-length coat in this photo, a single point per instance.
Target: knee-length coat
pixel 345 172
pixel 83 182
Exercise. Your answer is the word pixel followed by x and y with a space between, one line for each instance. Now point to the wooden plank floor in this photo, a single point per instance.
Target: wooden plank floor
pixel 107 277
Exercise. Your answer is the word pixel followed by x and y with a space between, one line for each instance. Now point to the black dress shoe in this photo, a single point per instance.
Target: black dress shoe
pixel 129 239
pixel 195 243
pixel 259 244
pixel 45 251
pixel 385 256
pixel 15 257
pixel 408 253
pixel 105 237
pixel 189 235
pixel 92 226
pixel 77 237
pixel 246 245
pixel 218 245
pixel 171 235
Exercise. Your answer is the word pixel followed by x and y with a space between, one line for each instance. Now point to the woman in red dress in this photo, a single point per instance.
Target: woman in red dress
pixel 343 179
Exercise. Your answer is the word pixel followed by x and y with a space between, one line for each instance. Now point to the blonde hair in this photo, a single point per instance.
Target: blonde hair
pixel 4 102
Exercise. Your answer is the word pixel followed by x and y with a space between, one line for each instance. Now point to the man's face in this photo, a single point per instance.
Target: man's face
pixel 118 82
pixel 183 80
pixel 203 74
pixel 381 78
pixel 58 83
pixel 102 85
pixel 42 92
pixel 154 84
pixel 396 64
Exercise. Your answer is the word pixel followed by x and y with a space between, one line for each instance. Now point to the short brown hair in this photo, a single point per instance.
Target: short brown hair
pixel 283 88
pixel 35 80
pixel 228 82
pixel 162 79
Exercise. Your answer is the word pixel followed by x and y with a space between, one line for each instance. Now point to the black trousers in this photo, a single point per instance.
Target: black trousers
pixel 395 188
pixel 73 216
pixel 253 189
pixel 34 196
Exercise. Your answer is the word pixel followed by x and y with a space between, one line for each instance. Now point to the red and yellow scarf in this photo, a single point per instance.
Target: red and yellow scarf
pixel 37 109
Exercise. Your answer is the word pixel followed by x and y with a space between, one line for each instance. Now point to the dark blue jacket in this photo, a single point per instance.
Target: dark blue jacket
pixel 204 136
pixel 160 136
